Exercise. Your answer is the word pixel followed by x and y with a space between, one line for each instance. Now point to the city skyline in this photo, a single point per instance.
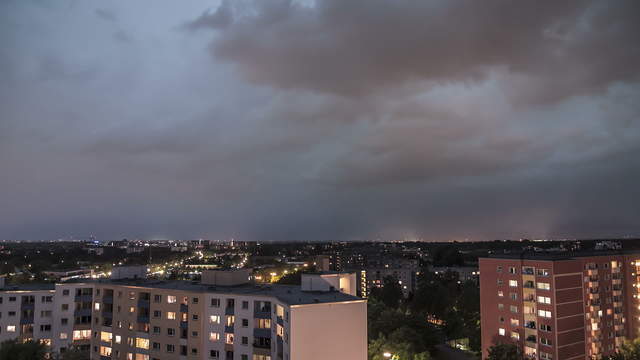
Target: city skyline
pixel 302 120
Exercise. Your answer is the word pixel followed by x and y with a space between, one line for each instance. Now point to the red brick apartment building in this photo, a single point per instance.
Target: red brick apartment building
pixel 560 306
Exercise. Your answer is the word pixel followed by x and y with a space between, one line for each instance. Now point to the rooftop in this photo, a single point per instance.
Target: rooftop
pixel 288 294
pixel 28 287
pixel 560 255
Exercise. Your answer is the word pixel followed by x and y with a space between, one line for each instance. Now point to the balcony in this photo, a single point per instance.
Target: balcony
pixel 529 285
pixel 184 308
pixel 184 325
pixel 229 329
pixel 530 325
pixel 107 299
pixel 229 310
pixel 84 298
pixel 263 333
pixel 527 271
pixel 145 303
pixel 531 339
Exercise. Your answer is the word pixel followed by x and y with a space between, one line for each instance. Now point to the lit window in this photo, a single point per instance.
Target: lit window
pixel 214 319
pixel 171 299
pixel 105 336
pixel 171 315
pixel 64 336
pixel 81 334
pixel 500 293
pixel 11 328
pixel 105 351
pixel 513 308
pixel 513 283
pixel 544 313
pixel 515 335
pixel 142 357
pixel 515 322
pixel 142 343
pixel 229 339
pixel 214 336
pixel 501 331
pixel 96 306
pixel 544 286
pixel 544 299
pixel 132 309
pixel 118 339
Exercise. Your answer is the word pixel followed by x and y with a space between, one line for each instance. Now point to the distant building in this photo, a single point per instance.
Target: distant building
pixel 465 273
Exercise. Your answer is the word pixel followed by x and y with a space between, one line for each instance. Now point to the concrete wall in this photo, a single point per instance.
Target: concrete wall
pixel 332 330
pixel 129 272
pixel 225 277
pixel 343 282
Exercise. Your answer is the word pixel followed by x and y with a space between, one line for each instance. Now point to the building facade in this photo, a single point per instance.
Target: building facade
pixel 223 317
pixel 560 306
pixel 57 315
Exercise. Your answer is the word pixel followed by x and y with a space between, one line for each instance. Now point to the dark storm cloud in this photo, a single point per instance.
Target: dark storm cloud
pixel 354 47
pixel 319 120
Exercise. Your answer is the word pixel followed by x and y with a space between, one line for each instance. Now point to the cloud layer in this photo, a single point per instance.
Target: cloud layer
pixel 334 119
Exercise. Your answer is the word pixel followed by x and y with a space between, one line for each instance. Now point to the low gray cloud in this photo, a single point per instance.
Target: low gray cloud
pixel 335 120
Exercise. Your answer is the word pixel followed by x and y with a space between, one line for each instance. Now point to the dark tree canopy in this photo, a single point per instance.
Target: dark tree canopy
pixel 14 350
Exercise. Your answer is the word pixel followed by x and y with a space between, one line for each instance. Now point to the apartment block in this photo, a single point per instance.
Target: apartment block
pixel 560 305
pixel 225 317
pixel 58 315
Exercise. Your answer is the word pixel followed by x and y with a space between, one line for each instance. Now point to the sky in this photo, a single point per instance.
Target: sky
pixel 284 120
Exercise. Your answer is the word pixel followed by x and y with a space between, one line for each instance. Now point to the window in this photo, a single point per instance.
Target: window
pixel 501 331
pixel 545 327
pixel 194 300
pixel 142 343
pixel 231 320
pixel 132 309
pixel 65 292
pixel 544 313
pixel 545 341
pixel 214 336
pixel 11 328
pixel 500 306
pixel 45 313
pixel 545 356
pixel 65 307
pixel 12 298
pixel 64 321
pixel 171 299
pixel 171 315
pixel 81 334
pixel 544 286
pixel 105 351
pixel 513 283
pixel 215 302
pixel 512 270
pixel 132 295
pixel 157 313
pixel 515 322
pixel 514 309
pixel 543 272
pixel 513 296
pixel 214 319
pixel 245 322
pixel 171 331
pixel 245 305
pixel 544 299
pixel 500 282
pixel 105 336
pixel 214 353
pixel 500 293
pixel 157 298
pixel 245 340
pixel 118 339
pixel 499 269
pixel 47 299
pixel 194 333
pixel 171 348
pixel 229 339
pixel 194 316
pixel 263 323
pixel 515 335
pixel 46 327
pixel 155 346
pixel 64 336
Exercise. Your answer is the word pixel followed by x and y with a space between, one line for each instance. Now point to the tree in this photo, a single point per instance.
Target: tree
pixel 75 354
pixel 630 350
pixel 390 293
pixel 398 350
pixel 14 350
pixel 505 352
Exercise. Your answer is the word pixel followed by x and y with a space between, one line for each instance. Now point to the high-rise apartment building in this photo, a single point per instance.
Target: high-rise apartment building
pixel 222 317
pixel 560 306
pixel 57 315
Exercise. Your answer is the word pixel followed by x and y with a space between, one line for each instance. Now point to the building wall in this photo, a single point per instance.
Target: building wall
pixel 333 331
pixel 588 304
